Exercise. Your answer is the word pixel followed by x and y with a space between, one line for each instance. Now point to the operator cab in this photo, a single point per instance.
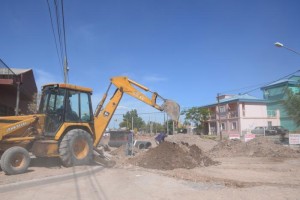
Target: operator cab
pixel 65 103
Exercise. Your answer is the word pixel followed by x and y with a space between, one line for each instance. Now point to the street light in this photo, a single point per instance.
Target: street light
pixel 278 44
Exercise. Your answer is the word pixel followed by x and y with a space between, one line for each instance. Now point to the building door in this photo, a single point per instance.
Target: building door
pixel 269 123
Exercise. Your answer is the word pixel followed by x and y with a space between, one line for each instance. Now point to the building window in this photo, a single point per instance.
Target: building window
pixel 222 109
pixel 233 126
pixel 223 126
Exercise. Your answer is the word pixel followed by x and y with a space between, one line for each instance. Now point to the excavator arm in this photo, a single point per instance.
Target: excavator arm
pixel 103 115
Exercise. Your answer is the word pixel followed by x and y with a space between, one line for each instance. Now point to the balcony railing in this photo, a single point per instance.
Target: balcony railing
pixel 228 115
pixel 5 71
pixel 232 114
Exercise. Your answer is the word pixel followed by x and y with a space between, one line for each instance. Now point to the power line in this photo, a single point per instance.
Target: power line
pixel 55 41
pixel 60 35
pixel 64 30
pixel 259 85
pixel 243 88
pixel 58 28
pixel 273 81
pixel 66 68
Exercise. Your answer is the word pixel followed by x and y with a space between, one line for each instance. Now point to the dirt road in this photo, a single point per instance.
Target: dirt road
pixel 235 176
pixel 239 178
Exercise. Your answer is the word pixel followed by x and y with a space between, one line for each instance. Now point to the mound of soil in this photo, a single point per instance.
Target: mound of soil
pixel 204 144
pixel 258 147
pixel 120 152
pixel 168 156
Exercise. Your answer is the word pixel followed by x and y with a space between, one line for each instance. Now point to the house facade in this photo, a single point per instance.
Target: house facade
pixel 274 94
pixel 16 84
pixel 239 114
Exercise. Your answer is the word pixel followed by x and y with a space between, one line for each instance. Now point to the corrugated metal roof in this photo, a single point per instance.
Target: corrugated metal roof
pixel 17 71
pixel 291 80
pixel 239 98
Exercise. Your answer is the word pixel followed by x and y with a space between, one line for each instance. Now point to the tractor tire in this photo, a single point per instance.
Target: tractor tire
pixel 76 148
pixel 15 160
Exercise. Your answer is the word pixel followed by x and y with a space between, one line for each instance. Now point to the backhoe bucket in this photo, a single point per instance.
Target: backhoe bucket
pixel 172 109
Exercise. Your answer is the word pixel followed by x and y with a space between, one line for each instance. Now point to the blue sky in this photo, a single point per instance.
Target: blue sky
pixel 186 50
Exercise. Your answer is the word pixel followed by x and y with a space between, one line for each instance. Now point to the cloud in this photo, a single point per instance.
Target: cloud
pixel 155 78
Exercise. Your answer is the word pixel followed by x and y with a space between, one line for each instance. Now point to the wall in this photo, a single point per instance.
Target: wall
pixel 255 110
pixel 251 123
pixel 256 115
pixel 8 94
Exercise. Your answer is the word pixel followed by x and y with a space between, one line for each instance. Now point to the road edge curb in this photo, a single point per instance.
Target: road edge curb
pixel 48 180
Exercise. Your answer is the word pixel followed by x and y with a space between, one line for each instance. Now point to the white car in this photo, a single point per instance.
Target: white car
pixel 262 130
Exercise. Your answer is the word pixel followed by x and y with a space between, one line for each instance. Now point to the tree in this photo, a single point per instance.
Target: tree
pixel 197 116
pixel 292 105
pixel 131 117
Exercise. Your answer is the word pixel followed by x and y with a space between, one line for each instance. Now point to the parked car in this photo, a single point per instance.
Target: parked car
pixel 262 130
pixel 280 130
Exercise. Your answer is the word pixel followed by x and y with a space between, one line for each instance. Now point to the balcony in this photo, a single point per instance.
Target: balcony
pixel 212 116
pixel 224 115
pixel 233 114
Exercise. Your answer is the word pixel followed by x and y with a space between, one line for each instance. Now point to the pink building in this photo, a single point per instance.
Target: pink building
pixel 239 114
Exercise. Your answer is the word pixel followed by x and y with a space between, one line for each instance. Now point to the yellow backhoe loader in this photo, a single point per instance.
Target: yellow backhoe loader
pixel 66 126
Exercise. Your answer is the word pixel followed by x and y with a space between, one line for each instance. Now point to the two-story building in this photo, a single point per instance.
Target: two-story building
pixel 275 93
pixel 239 114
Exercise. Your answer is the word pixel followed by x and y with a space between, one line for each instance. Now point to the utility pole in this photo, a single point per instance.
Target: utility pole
pixel 173 127
pixel 132 123
pixel 219 118
pixel 66 71
pixel 17 80
pixel 167 125
pixel 18 97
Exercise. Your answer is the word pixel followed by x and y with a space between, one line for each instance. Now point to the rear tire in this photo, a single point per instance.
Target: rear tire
pixel 15 160
pixel 76 148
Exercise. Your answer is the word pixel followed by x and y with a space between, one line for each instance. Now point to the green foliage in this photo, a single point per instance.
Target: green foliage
pixel 292 105
pixel 127 120
pixel 197 116
pixel 153 127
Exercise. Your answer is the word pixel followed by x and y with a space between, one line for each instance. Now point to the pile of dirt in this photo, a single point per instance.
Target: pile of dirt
pixel 119 155
pixel 168 156
pixel 258 147
pixel 204 144
pixel 119 152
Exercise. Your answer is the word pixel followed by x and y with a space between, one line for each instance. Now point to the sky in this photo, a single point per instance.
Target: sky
pixel 186 50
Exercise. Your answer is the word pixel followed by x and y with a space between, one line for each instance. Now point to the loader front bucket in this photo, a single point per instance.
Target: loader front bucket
pixel 172 109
